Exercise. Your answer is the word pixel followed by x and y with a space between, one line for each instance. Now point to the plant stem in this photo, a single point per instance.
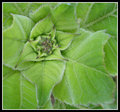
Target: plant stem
pixel 52 99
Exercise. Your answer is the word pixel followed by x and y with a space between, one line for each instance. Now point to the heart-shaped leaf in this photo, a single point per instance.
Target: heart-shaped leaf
pixel 85 80
pixel 45 75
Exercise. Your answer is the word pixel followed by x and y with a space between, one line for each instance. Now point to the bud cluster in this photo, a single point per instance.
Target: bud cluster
pixel 44 45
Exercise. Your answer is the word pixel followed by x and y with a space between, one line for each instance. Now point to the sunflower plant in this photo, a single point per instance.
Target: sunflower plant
pixel 59 55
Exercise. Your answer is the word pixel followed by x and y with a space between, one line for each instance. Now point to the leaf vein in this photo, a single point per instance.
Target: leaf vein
pixel 99 19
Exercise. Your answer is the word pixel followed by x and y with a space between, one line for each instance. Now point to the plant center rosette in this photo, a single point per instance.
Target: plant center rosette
pixel 44 45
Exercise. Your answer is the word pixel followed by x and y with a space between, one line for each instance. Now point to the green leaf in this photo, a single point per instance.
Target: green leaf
pixel 40 13
pixel 102 16
pixel 10 93
pixel 98 16
pixel 110 49
pixel 18 93
pixel 26 23
pixel 64 39
pixel 64 19
pixel 14 38
pixel 87 47
pixel 15 8
pixel 19 8
pixel 20 29
pixel 28 94
pixel 43 26
pixel 45 75
pixel 85 80
pixel 11 51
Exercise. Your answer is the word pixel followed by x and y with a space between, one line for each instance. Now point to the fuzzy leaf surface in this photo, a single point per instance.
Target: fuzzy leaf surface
pixel 85 80
pixel 45 75
pixel 18 93
pixel 101 16
pixel 19 33
pixel 63 20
